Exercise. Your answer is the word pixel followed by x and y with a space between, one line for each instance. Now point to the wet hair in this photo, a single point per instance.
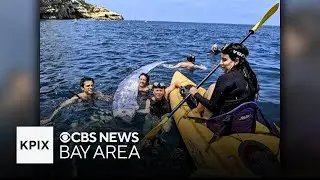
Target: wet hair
pixel 146 75
pixel 84 79
pixel 191 58
pixel 240 51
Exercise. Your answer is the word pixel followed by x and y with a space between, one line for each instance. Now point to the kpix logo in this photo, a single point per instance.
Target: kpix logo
pixel 34 145
pixel 28 145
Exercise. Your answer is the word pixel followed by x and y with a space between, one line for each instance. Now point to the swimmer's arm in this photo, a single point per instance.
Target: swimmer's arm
pixel 176 66
pixel 147 108
pixel 199 67
pixel 103 97
pixel 63 105
pixel 171 88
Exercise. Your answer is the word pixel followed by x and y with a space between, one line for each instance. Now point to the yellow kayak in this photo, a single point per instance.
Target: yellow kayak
pixel 236 155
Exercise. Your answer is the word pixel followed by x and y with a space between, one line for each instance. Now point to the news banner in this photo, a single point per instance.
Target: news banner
pixel 35 145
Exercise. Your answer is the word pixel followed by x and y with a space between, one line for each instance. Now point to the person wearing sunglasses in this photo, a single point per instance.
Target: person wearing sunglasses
pixel 158 105
pixel 237 85
pixel 189 64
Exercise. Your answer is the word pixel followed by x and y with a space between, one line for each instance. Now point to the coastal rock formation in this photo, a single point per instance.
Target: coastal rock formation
pixel 74 9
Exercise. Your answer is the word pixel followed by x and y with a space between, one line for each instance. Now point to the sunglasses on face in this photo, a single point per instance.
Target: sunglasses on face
pixel 158 85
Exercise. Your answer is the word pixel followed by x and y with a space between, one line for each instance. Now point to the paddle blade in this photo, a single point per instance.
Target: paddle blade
pixel 156 129
pixel 266 17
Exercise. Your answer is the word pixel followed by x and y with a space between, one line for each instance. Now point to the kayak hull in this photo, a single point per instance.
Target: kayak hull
pixel 228 156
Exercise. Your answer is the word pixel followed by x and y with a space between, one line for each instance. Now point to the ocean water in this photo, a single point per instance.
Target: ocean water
pixel 110 51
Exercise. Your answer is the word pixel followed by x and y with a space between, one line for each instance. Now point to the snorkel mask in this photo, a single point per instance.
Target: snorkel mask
pixel 159 85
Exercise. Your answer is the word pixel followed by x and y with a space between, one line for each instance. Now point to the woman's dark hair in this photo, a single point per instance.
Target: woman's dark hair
pixel 84 79
pixel 146 75
pixel 240 51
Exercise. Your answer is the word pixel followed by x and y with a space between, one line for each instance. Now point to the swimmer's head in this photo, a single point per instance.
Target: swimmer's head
pixel 143 80
pixel 87 85
pixel 214 47
pixel 158 90
pixel 191 58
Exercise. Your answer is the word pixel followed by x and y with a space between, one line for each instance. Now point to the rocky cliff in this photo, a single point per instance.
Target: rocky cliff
pixel 74 9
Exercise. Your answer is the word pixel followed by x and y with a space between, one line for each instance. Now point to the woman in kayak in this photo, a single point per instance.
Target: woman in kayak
pixel 237 85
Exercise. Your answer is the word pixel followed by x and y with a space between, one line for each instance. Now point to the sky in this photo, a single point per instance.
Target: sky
pixel 202 11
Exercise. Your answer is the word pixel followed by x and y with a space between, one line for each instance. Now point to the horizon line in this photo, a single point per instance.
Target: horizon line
pixel 199 22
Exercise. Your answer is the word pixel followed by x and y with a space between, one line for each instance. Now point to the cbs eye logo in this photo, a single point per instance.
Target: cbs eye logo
pixel 65 137
pixel 77 137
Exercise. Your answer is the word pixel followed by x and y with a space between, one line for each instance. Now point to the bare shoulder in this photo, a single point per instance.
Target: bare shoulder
pixel 82 95
pixel 184 64
pixel 73 99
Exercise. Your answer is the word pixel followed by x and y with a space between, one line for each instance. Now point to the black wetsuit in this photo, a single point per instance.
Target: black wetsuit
pixel 231 90
pixel 159 108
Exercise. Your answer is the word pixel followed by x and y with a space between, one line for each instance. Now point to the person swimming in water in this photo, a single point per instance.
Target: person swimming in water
pixel 158 105
pixel 214 49
pixel 189 64
pixel 87 95
pixel 144 85
pixel 144 90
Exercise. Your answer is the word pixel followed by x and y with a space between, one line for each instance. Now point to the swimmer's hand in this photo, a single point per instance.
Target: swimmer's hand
pixel 177 84
pixel 108 97
pixel 202 67
pixel 142 111
pixel 104 97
